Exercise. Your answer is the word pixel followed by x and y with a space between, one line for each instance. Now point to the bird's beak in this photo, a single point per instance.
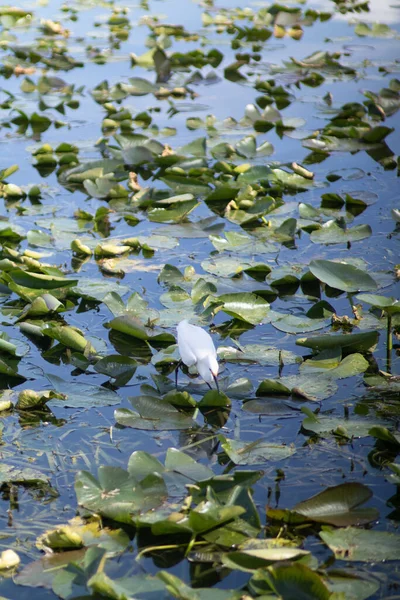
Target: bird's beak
pixel 216 382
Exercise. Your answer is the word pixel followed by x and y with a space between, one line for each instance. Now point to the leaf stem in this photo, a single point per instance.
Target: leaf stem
pixel 170 547
pixel 205 439
pixel 389 344
pixel 350 298
pixel 190 546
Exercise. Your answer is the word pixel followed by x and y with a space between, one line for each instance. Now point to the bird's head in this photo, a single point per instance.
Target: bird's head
pixel 208 368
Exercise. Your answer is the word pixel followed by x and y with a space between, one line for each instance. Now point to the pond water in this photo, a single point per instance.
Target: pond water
pixel 238 167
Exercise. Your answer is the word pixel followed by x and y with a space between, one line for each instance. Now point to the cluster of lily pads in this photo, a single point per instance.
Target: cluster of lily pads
pixel 107 243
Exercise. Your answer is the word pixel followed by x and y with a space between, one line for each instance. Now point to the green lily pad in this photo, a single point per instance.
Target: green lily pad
pixel 245 306
pixel 119 368
pixel 153 414
pixel 339 506
pixel 178 589
pixel 254 453
pixel 98 288
pixel 145 586
pixel 117 495
pixel 296 581
pixel 68 336
pixel 257 353
pixel 257 554
pixel 78 534
pixel 40 281
pixel 235 241
pixel 342 276
pixel 329 363
pixel 382 433
pixel 353 588
pixel 390 305
pixel 332 233
pixel 348 342
pixel 24 476
pixel 374 30
pixel 354 544
pixel 294 324
pixel 223 266
pixel 302 386
pixel 326 425
pixel 78 394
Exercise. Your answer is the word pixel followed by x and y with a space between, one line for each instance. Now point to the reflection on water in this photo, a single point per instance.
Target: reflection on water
pixel 226 104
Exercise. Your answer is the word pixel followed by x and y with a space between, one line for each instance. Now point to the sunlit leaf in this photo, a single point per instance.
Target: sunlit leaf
pixel 342 276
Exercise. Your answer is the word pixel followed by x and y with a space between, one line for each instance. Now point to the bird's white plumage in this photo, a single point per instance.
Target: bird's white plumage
pixel 197 348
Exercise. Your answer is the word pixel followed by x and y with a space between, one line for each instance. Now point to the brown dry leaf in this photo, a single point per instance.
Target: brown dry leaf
pixel 179 91
pixel 163 92
pixel 133 182
pixel 167 150
pixel 279 31
pixel 119 267
pixel 18 70
pixel 295 32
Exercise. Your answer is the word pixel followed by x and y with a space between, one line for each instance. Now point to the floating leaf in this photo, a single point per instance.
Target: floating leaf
pixel 296 581
pixel 257 554
pixel 68 336
pixel 354 588
pixel 257 353
pixel 79 394
pixel 342 276
pixel 119 368
pixel 348 342
pixel 244 306
pixel 339 506
pixel 332 233
pixel 325 425
pixel 153 414
pixel 354 544
pixel 254 453
pixel 40 281
pixel 303 386
pixel 390 305
pixel 328 363
pixel 24 476
pixel 79 533
pixel 118 495
pixel 295 324
pixel 374 30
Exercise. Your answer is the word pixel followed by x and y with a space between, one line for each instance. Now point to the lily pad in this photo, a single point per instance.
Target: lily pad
pixel 339 506
pixel 342 276
pixel 390 305
pixel 257 353
pixel 361 545
pixel 153 414
pixel 296 581
pixel 77 394
pixel 116 494
pixel 348 342
pixel 254 453
pixel 77 534
pixel 25 476
pixel 245 306
pixel 332 233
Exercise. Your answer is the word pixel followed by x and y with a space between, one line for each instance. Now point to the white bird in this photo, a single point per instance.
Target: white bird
pixel 197 348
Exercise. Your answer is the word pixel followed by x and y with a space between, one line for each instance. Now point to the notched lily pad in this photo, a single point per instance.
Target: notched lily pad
pixel 254 453
pixel 352 544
